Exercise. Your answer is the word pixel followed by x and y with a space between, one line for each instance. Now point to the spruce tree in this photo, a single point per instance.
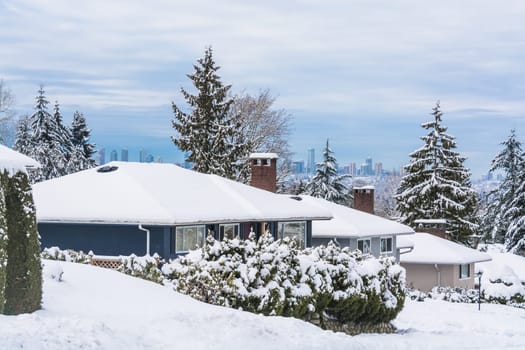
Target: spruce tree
pixel 23 140
pixel 437 185
pixel 509 160
pixel 83 150
pixel 23 291
pixel 209 133
pixel 326 183
pixel 3 247
pixel 515 214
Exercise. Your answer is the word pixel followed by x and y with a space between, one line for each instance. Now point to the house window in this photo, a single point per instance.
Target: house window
pixel 188 238
pixel 386 245
pixel 295 230
pixel 229 231
pixel 464 271
pixel 364 245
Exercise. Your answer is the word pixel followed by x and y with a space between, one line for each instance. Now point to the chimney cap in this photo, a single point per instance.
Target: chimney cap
pixel 263 156
pixel 369 187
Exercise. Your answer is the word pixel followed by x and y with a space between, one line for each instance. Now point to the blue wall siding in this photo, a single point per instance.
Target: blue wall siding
pixel 104 239
pixel 352 244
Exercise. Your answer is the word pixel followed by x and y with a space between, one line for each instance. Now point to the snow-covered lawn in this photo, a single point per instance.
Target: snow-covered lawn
pixel 93 308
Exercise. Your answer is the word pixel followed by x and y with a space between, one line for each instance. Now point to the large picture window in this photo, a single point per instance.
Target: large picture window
pixel 364 245
pixel 386 245
pixel 229 231
pixel 464 271
pixel 295 230
pixel 188 238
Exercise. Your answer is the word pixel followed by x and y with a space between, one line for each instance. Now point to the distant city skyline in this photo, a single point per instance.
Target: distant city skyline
pixel 363 74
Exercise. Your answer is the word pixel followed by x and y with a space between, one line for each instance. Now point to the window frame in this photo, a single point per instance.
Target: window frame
pixel 186 227
pixel 280 232
pixel 462 275
pixel 386 238
pixel 369 245
pixel 236 230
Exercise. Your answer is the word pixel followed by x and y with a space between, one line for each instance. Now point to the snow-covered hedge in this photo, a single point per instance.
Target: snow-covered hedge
pixel 55 253
pixel 145 267
pixel 276 278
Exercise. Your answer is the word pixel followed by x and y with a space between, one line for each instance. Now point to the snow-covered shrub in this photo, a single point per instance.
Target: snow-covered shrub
pixel 276 278
pixel 54 271
pixel 454 295
pixel 145 267
pixel 55 253
pixel 500 284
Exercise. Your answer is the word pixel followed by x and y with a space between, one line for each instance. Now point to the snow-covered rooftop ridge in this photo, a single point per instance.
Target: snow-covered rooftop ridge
pixel 430 221
pixel 12 160
pixel 348 222
pixel 161 194
pixel 431 249
pixel 263 155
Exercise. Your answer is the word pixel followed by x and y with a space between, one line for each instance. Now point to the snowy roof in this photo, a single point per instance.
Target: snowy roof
pixel 263 156
pixel 367 187
pixel 431 249
pixel 430 221
pixel 502 258
pixel 348 222
pixel 404 243
pixel 162 194
pixel 13 160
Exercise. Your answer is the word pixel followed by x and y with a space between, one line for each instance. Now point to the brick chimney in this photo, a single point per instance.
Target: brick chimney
pixel 436 227
pixel 264 171
pixel 364 199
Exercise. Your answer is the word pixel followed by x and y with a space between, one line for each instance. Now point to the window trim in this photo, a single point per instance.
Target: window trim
pixel 284 223
pixel 391 245
pixel 369 245
pixel 188 227
pixel 462 269
pixel 222 226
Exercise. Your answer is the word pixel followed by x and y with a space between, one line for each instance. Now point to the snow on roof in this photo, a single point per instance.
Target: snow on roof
pixel 12 160
pixel 162 194
pixel 430 249
pixel 263 156
pixel 367 187
pixel 430 221
pixel 348 222
pixel 404 243
pixel 500 258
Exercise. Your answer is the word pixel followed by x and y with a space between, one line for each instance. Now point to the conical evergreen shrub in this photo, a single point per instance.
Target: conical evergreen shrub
pixel 23 291
pixel 3 248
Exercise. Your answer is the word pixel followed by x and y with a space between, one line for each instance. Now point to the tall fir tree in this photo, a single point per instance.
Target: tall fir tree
pixel 209 134
pixel 23 139
pixel 23 291
pixel 3 247
pixel 326 183
pixel 437 184
pixel 495 223
pixel 83 149
pixel 515 214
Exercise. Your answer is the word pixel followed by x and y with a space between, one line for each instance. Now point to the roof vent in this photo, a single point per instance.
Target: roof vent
pixel 107 169
pixel 297 198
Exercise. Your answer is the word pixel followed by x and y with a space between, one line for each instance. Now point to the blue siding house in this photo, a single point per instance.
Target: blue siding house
pixel 145 208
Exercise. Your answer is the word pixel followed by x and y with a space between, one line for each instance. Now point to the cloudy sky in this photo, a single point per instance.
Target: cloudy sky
pixel 363 73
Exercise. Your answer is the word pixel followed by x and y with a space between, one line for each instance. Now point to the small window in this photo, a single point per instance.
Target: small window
pixel 188 238
pixel 364 245
pixel 229 231
pixel 386 245
pixel 464 271
pixel 295 230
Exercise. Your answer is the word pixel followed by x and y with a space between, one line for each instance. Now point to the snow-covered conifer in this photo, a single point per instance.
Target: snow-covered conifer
pixel 509 160
pixel 3 247
pixel 83 150
pixel 23 139
pixel 326 183
pixel 437 185
pixel 209 134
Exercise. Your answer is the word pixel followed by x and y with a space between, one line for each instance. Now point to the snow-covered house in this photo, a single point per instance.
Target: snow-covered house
pixel 356 229
pixel 435 261
pixel 13 160
pixel 124 208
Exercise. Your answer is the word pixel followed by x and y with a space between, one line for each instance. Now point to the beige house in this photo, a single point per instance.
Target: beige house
pixel 435 261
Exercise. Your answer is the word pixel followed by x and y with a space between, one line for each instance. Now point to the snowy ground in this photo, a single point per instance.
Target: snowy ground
pixel 93 308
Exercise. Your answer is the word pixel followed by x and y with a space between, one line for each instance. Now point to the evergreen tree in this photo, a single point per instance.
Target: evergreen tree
pixel 509 160
pixel 83 150
pixel 209 134
pixel 515 214
pixel 326 183
pixel 3 247
pixel 23 291
pixel 437 185
pixel 23 139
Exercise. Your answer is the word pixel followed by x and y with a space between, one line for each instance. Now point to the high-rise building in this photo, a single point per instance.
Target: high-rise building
pixel 310 165
pixel 124 155
pixel 378 169
pixel 298 167
pixel 143 155
pixel 352 169
pixel 369 167
pixel 102 156
pixel 113 156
